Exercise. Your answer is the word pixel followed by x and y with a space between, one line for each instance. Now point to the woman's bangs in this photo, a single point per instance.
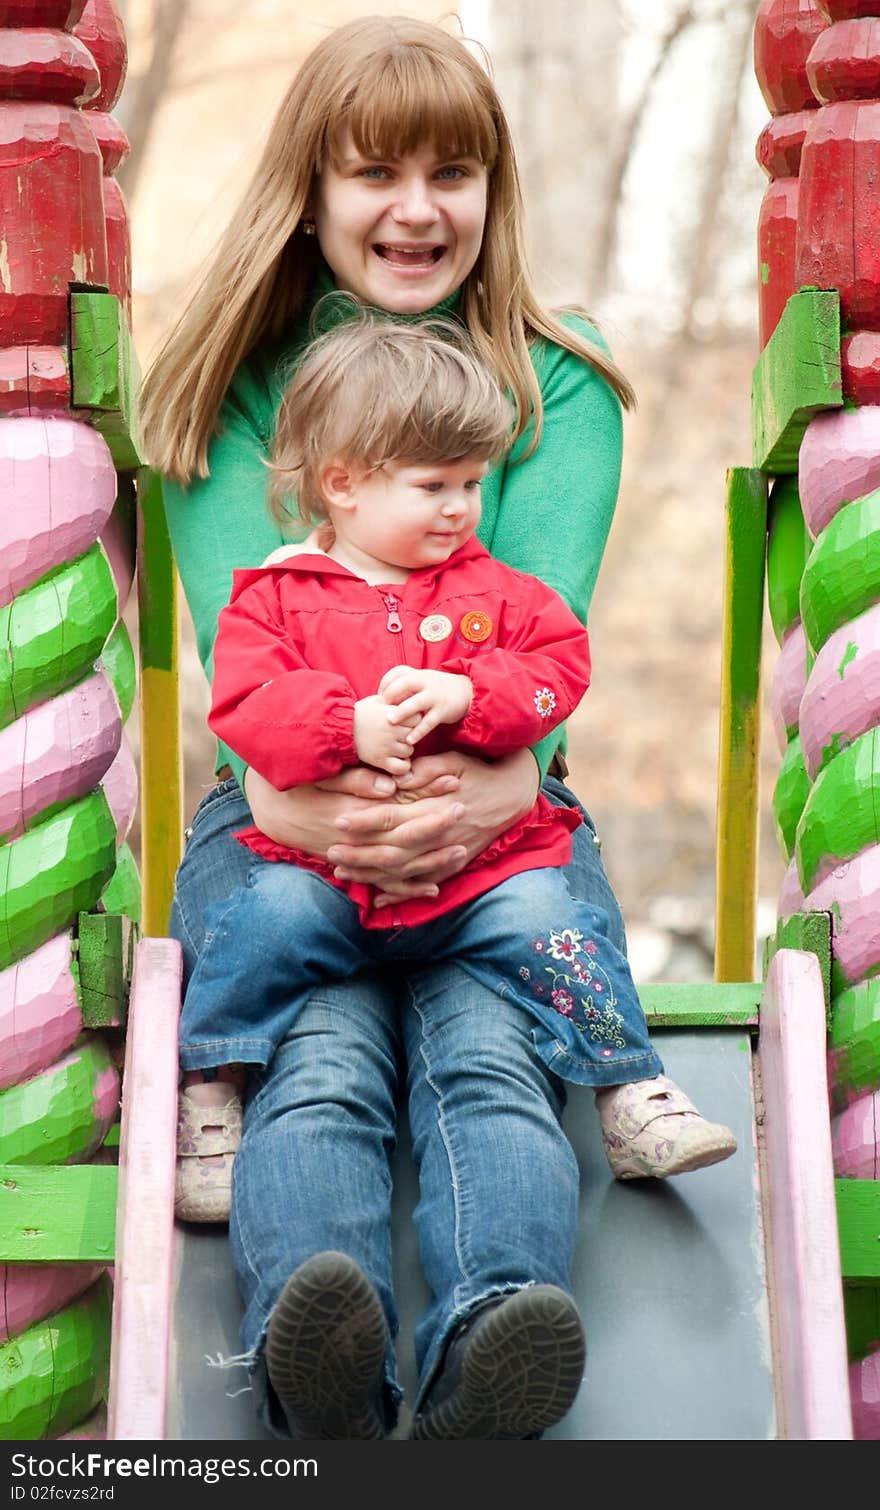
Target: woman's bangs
pixel 410 99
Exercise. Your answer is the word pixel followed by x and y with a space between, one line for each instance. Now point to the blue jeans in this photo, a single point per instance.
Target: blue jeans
pixel 287 932
pixel 498 1180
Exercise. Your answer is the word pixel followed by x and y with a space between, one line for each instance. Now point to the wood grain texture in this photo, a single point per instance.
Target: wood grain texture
pixel 739 735
pixel 101 29
pixel 61 477
pixel 785 31
pixel 31 1292
pixel 851 893
pixel 809 933
pixel 788 546
pixel 40 1013
pixel 805 1278
pixel 842 576
pixel 39 64
pixel 105 952
pixel 57 752
pixel 858 1213
pixel 162 753
pixel 855 1136
pixel 855 1040
pixel 842 697
pixel 56 1372
pixel 787 686
pixel 52 217
pixel 145 1232
pixel 692 1004
pixel 57 1214
pixel 54 871
pixel 839 461
pixel 105 373
pixel 52 634
pixel 33 380
pixel 790 795
pixel 796 376
pixel 63 1115
pixel 839 232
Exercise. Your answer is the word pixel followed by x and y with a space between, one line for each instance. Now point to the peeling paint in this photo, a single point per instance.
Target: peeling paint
pixel 5 278
pixel 849 655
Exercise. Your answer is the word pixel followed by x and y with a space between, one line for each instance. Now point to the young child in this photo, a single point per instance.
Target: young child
pixel 398 632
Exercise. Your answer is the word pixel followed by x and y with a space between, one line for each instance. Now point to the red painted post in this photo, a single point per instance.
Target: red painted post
pixel 785 31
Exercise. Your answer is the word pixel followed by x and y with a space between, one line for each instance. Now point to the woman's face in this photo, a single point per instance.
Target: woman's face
pixel 401 233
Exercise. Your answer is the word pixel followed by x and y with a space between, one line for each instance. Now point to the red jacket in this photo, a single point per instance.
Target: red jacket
pixel 303 640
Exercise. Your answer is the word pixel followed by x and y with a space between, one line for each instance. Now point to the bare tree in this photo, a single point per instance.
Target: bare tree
pixel 741 23
pixel 140 104
pixel 557 67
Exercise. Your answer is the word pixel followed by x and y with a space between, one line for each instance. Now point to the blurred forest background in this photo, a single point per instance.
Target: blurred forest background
pixel 635 122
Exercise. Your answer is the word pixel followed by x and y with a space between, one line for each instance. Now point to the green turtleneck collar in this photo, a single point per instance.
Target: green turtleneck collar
pixel 331 306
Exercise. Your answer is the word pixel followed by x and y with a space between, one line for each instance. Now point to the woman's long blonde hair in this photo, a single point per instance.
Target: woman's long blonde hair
pixel 394 84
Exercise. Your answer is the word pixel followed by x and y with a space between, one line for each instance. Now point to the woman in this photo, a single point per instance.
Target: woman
pixel 389 174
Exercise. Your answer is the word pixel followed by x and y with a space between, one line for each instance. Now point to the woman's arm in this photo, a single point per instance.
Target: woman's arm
pixel 550 515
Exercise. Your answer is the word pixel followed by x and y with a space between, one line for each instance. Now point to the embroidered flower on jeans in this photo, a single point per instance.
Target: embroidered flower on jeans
pixel 598 986
pixel 590 946
pixel 563 1001
pixel 524 972
pixel 539 946
pixel 545 701
pixel 565 944
pixel 539 990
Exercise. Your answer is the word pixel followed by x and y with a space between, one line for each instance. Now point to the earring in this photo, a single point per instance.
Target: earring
pixel 308 227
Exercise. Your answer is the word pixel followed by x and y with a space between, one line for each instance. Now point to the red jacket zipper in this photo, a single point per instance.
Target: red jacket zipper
pixel 394 625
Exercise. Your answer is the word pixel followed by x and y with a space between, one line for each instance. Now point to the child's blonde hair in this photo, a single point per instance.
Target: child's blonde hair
pixel 394 84
pixel 371 392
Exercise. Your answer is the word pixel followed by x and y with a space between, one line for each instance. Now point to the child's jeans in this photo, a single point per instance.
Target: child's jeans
pixel 287 933
pixel 498 1182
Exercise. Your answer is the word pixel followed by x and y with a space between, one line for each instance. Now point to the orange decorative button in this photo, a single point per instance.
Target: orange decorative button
pixel 476 626
pixel 435 627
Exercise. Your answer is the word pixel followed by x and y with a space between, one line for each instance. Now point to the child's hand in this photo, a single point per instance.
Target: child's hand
pixel 424 699
pixel 378 742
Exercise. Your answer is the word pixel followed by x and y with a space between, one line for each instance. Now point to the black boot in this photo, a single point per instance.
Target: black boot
pixel 325 1351
pixel 512 1369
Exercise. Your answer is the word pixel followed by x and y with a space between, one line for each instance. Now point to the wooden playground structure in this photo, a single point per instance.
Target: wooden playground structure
pixel 755 1289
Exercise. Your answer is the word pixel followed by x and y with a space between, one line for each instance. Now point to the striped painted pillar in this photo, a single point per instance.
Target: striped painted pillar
pixel 837 843
pixel 67 782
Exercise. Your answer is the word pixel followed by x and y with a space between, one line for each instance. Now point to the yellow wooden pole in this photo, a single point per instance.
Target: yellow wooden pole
pixel 739 736
pixel 161 748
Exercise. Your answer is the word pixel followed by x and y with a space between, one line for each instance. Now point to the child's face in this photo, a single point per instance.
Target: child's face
pixel 411 516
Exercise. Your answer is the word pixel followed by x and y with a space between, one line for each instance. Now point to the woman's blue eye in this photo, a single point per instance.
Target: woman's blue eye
pixel 451 174
pixel 370 172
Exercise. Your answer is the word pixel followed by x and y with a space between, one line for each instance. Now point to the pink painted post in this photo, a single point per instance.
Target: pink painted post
pixel 836 842
pixel 67 788
pixel 145 1223
pixel 805 1288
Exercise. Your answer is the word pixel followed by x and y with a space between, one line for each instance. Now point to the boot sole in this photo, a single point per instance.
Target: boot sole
pixel 325 1351
pixel 520 1372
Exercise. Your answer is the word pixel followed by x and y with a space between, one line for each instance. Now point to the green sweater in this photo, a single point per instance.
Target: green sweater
pixel 549 516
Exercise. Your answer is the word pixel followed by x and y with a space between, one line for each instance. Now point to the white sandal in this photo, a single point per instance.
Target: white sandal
pixel 207 1141
pixel 651 1129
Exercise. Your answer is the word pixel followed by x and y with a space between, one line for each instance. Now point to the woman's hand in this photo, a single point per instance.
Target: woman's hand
pixel 400 847
pixel 456 805
pixel 305 817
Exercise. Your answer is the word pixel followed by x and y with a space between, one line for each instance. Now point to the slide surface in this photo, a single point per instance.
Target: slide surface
pixel 670 1277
